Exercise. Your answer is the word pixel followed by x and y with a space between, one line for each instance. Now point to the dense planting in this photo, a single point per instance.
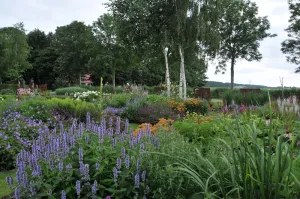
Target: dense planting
pixel 81 148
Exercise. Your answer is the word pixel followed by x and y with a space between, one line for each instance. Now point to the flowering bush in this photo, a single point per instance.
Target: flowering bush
pixel 162 123
pixel 86 96
pixel 191 105
pixel 83 161
pixel 17 132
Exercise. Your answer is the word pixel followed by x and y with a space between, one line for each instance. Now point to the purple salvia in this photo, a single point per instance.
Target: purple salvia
pixel 25 179
pixel 94 188
pixel 78 187
pixel 123 152
pixel 63 194
pixel 88 120
pixel 97 166
pixel 19 176
pixel 17 193
pixel 86 176
pixel 114 142
pixel 100 135
pixel 118 123
pixel 80 154
pixel 110 123
pixel 143 176
pixel 32 189
pixel 81 168
pixel 119 163
pixel 142 147
pixel 69 167
pixel 137 180
pixel 138 165
pixel 60 166
pixel 115 171
pixel 9 181
pixel 148 130
pixel 127 162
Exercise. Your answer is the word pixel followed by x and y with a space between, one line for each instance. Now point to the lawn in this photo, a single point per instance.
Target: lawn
pixel 4 188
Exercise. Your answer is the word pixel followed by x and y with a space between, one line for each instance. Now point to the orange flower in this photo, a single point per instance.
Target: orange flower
pixel 162 123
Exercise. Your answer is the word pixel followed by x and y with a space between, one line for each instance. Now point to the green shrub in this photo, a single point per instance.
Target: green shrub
pixel 119 100
pixel 196 132
pixel 69 90
pixel 8 91
pixel 165 181
pixel 196 106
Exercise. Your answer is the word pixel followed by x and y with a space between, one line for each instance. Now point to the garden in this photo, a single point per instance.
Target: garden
pixel 88 142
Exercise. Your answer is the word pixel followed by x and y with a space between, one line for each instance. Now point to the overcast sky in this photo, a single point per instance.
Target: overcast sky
pixel 48 14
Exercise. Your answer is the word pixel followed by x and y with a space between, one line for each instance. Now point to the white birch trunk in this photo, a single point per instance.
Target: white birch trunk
pixel 168 81
pixel 182 80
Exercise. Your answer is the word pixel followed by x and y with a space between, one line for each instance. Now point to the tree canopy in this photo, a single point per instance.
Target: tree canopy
pixel 291 46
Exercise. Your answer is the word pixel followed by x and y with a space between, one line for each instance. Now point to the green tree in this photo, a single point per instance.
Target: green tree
pixel 111 56
pixel 241 31
pixel 42 57
pixel 73 44
pixel 291 46
pixel 14 52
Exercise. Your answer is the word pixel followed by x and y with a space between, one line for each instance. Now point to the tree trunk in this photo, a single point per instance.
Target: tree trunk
pixel 182 80
pixel 114 81
pixel 168 81
pixel 232 72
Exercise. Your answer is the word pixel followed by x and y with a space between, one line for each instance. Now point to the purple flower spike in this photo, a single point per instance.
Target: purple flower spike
pixel 137 180
pixel 63 195
pixel 127 162
pixel 94 188
pixel 119 163
pixel 78 187
pixel 17 193
pixel 9 181
pixel 123 152
pixel 80 154
pixel 115 174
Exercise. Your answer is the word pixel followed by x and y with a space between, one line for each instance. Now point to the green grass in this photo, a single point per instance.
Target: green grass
pixel 4 188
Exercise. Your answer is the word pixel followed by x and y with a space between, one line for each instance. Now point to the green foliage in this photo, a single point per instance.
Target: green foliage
pixel 291 46
pixel 69 90
pixel 196 132
pixel 12 40
pixel 258 99
pixel 8 92
pixel 163 177
pixel 119 100
pixel 73 44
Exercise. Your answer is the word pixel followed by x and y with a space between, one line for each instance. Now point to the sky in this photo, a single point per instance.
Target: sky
pixel 48 14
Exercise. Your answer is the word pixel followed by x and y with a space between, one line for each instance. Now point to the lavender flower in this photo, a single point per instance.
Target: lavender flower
pixel 127 162
pixel 69 167
pixel 17 193
pixel 115 174
pixel 143 176
pixel 114 142
pixel 78 187
pixel 9 181
pixel 137 180
pixel 97 166
pixel 123 152
pixel 87 138
pixel 119 163
pixel 80 154
pixel 60 166
pixel 94 187
pixel 138 165
pixel 63 194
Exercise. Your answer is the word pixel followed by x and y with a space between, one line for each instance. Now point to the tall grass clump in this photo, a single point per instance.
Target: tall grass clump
pixel 256 167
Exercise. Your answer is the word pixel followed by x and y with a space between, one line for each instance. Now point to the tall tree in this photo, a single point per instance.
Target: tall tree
pixel 42 57
pixel 291 46
pixel 241 31
pixel 111 56
pixel 73 44
pixel 14 52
